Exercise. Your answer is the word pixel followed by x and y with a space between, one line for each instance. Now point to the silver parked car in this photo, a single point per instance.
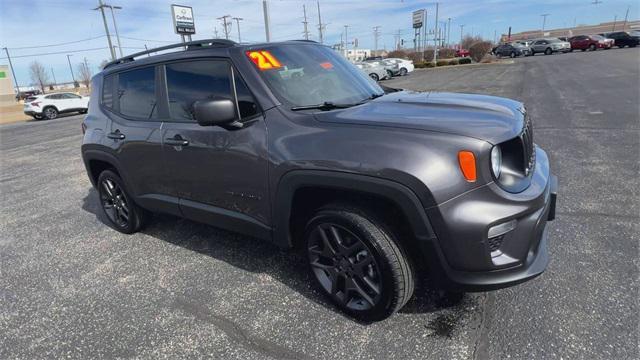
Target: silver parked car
pixel 375 71
pixel 549 46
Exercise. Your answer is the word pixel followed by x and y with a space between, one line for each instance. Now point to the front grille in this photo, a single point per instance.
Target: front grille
pixel 527 145
pixel 495 243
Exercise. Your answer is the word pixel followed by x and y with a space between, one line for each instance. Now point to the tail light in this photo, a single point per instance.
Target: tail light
pixel 36 103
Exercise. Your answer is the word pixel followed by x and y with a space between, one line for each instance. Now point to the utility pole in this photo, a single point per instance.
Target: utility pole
pixel 321 26
pixel 106 29
pixel 238 19
pixel 544 22
pixel 435 34
pixel 265 9
pixel 461 34
pixel 346 41
pixel 626 16
pixel 397 37
pixel 55 82
pixel 115 26
pixel 376 35
pixel 12 72
pixel 71 69
pixel 449 33
pixel 225 25
pixel 305 23
pixel 615 19
pixel 215 32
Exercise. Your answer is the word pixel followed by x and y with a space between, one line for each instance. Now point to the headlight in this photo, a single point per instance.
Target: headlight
pixel 496 161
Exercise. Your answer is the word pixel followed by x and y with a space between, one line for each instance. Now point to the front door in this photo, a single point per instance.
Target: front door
pixel 219 174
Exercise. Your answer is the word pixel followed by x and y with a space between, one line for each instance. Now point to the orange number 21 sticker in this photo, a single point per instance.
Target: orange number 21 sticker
pixel 264 60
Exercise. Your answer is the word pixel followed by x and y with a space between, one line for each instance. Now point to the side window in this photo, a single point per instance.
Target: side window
pixel 72 96
pixel 246 102
pixel 107 91
pixel 136 93
pixel 188 82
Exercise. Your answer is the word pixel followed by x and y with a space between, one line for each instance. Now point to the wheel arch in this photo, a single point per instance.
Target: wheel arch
pixel 294 187
pixel 96 161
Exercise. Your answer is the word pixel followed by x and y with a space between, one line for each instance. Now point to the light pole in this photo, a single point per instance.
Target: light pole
pixel 115 26
pixel 15 79
pixel 267 20
pixel 461 34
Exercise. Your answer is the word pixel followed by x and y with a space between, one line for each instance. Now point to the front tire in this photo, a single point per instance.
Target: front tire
pixel 357 264
pixel 548 51
pixel 374 76
pixel 117 205
pixel 512 55
pixel 403 72
pixel 390 74
pixel 592 47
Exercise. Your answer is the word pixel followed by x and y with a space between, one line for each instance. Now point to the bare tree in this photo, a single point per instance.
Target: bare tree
pixel 85 73
pixel 39 75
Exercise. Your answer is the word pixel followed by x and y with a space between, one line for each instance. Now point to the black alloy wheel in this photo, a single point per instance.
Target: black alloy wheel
pixel 50 113
pixel 124 215
pixel 357 264
pixel 37 117
pixel 390 74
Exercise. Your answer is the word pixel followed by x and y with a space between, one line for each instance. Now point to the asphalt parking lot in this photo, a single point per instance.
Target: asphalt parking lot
pixel 72 287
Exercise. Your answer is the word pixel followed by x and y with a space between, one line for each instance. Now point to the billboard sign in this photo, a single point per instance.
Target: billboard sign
pixel 418 18
pixel 183 21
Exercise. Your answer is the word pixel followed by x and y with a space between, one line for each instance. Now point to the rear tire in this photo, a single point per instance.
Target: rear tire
pixel 390 74
pixel 356 262
pixel 548 51
pixel 118 206
pixel 512 55
pixel 592 47
pixel 38 117
pixel 50 113
pixel 403 72
pixel 374 76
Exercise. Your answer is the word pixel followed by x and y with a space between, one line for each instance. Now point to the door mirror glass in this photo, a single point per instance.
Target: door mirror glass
pixel 214 112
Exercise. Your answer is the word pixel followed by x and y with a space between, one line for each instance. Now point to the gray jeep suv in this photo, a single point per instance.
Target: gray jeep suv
pixel 289 143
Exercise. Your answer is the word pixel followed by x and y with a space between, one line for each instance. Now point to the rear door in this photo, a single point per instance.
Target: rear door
pixel 136 136
pixel 218 170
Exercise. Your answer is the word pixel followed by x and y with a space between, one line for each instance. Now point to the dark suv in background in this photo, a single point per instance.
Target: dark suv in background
pixel 623 38
pixel 290 143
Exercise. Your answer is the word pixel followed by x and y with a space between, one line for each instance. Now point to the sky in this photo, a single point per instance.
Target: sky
pixel 28 28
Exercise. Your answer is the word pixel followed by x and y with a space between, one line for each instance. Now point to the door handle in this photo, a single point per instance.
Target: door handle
pixel 117 135
pixel 176 141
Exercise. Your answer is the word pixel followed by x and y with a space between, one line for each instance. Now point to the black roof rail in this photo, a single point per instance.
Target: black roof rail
pixel 190 45
pixel 304 40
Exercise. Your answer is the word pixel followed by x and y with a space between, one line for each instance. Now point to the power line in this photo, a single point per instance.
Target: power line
pixel 56 53
pixel 225 25
pixel 150 40
pixel 59 44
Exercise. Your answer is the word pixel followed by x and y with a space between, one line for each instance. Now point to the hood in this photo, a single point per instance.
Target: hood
pixel 489 118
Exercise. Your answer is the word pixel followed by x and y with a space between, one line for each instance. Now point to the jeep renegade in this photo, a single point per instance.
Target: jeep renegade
pixel 290 143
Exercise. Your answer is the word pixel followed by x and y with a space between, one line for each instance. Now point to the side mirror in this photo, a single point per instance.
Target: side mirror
pixel 214 112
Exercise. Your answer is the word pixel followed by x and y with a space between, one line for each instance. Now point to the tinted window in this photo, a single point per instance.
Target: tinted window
pixel 246 103
pixel 71 96
pixel 136 93
pixel 191 81
pixel 107 92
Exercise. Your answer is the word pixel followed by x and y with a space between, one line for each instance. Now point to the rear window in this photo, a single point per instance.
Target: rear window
pixel 136 93
pixel 107 91
pixel 30 98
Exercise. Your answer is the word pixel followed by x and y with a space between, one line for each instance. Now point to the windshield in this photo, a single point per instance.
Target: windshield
pixel 634 32
pixel 553 40
pixel 312 74
pixel 596 37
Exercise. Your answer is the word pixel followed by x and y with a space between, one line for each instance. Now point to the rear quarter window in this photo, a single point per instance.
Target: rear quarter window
pixel 107 91
pixel 136 95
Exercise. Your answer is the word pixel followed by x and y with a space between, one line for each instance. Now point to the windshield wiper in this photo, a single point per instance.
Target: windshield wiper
pixel 327 105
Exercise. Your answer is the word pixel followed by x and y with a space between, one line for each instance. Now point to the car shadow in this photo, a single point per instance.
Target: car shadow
pixel 258 256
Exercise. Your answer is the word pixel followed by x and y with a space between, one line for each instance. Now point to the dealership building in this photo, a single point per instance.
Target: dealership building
pixel 7 93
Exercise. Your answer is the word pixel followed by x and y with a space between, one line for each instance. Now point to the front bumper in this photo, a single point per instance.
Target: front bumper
pixel 469 258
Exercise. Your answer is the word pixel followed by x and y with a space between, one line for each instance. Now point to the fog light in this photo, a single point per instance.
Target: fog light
pixel 501 229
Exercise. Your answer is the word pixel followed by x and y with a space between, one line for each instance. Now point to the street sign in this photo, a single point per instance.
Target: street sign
pixel 183 22
pixel 418 18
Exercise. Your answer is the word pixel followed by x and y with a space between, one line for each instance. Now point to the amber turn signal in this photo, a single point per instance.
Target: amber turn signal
pixel 467 165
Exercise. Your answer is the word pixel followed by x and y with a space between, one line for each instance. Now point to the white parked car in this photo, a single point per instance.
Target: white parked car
pixel 376 72
pixel 50 105
pixel 400 66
